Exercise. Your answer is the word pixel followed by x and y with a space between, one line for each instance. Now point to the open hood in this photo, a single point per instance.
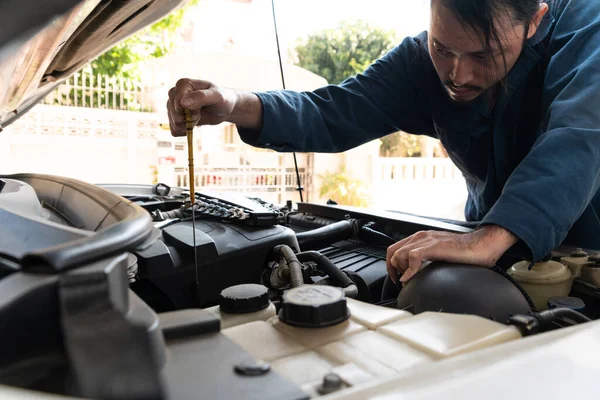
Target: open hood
pixel 43 42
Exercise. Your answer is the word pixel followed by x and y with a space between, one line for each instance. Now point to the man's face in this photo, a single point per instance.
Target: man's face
pixel 464 64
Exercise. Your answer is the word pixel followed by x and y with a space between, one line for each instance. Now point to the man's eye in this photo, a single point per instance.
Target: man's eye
pixel 442 52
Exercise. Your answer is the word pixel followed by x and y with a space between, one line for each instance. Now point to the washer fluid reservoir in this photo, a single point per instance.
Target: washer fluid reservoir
pixel 546 279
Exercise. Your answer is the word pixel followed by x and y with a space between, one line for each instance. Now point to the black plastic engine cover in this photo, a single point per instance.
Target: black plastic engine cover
pixel 464 289
pixel 228 254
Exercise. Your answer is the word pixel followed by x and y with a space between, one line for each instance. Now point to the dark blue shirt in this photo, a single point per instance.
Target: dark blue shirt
pixel 531 162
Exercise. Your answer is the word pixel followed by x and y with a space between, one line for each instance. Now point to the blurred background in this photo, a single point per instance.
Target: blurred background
pixel 108 123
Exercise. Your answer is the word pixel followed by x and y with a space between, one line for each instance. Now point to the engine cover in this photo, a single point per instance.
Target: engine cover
pixel 228 254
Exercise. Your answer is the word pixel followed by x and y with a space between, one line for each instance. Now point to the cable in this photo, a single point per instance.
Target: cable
pixel 299 187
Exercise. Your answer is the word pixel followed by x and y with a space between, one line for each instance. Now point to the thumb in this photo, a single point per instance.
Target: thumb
pixel 200 98
pixel 183 87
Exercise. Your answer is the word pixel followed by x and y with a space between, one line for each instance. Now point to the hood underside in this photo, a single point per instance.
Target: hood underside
pixel 49 40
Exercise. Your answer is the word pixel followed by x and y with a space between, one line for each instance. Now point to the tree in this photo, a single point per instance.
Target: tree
pixel 337 54
pixel 122 65
pixel 125 58
pixel 344 189
pixel 400 144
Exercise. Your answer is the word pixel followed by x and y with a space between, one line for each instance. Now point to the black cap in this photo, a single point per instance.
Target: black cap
pixel 242 299
pixel 314 306
pixel 579 253
pixel 595 258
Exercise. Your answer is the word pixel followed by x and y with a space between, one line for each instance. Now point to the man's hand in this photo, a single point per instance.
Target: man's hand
pixel 482 247
pixel 210 105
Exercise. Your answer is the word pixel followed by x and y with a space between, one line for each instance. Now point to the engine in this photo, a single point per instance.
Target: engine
pixel 241 240
pixel 110 292
pixel 245 240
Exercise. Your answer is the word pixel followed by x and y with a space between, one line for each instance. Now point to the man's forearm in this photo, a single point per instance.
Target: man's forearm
pixel 248 111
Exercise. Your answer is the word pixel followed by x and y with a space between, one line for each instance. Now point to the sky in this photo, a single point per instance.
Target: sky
pixel 251 26
pixel 298 17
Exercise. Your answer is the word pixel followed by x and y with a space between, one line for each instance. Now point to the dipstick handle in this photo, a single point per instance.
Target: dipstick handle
pixel 189 131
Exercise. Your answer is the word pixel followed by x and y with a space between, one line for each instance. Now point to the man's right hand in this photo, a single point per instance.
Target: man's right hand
pixel 210 105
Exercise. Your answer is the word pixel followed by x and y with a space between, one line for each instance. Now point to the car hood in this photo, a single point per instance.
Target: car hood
pixel 43 42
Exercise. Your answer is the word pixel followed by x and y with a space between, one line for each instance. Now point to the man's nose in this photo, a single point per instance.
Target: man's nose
pixel 462 72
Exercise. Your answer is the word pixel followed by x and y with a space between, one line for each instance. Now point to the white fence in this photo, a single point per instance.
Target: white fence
pixel 411 168
pixel 93 145
pixel 105 145
pixel 425 186
pixel 272 184
pixel 85 89
pixel 113 146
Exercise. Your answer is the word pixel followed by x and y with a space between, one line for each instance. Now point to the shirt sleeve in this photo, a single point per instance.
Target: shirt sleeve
pixel 557 180
pixel 382 100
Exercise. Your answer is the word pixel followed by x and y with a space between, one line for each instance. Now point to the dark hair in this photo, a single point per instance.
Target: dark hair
pixel 481 16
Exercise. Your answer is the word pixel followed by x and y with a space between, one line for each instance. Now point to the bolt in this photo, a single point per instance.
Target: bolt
pixel 252 368
pixel 331 383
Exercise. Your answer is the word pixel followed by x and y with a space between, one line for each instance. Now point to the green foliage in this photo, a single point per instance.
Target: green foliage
pixel 344 189
pixel 155 41
pixel 400 144
pixel 337 54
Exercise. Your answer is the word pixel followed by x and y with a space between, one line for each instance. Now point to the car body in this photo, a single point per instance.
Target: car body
pixel 100 294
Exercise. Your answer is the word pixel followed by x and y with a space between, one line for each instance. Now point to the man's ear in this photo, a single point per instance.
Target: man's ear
pixel 536 20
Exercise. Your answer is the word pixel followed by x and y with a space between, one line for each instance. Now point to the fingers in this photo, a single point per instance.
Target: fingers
pixel 401 260
pixel 393 272
pixel 406 257
pixel 415 262
pixel 190 90
pixel 197 99
pixel 182 89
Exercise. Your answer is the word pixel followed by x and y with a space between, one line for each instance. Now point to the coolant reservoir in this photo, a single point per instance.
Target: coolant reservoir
pixel 546 279
pixel 241 304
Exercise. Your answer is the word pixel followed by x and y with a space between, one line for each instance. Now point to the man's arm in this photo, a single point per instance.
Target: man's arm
pixel 247 112
pixel 384 99
pixel 556 182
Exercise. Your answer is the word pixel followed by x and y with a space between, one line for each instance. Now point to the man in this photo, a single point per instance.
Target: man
pixel 510 87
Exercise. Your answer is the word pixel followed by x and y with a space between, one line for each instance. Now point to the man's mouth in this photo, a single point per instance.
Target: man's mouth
pixel 461 91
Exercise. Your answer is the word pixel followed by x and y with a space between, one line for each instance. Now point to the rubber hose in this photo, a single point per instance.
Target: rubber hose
pixel 293 264
pixel 369 235
pixel 173 214
pixel 332 270
pixel 323 237
pixel 549 316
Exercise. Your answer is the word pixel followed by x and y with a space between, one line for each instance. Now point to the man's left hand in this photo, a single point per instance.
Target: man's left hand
pixel 482 247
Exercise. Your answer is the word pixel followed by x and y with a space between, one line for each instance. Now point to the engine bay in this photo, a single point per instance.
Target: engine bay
pixel 238 239
pixel 293 295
